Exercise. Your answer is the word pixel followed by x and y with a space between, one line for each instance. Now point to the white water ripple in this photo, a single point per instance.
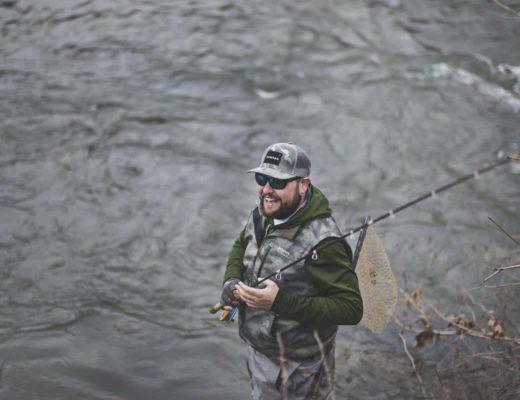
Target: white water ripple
pixel 489 89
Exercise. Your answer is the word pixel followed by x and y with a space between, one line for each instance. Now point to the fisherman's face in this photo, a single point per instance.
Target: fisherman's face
pixel 281 203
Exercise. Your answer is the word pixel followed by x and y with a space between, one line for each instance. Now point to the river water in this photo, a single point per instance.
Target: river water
pixel 126 128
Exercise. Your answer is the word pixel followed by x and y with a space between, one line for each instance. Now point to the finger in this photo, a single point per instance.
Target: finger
pixel 242 293
pixel 240 296
pixel 249 298
pixel 244 290
pixel 246 296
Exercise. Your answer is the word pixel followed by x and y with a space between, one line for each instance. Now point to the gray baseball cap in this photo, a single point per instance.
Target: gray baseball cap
pixel 284 161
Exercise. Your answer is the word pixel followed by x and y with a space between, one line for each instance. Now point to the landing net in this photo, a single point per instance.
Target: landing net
pixel 377 283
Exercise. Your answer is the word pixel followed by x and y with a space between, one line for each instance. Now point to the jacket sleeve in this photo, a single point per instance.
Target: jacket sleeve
pixel 339 301
pixel 235 265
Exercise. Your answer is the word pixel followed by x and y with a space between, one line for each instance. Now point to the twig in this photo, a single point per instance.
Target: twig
pixel 413 302
pixel 498 270
pixel 324 362
pixel 505 7
pixel 413 329
pixel 498 361
pixel 469 331
pixel 501 286
pixel 509 267
pixel 482 306
pixel 445 394
pixel 412 361
pixel 504 231
pixel 461 328
pixel 488 355
pixel 283 368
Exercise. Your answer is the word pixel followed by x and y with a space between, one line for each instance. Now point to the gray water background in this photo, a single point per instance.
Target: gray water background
pixel 126 128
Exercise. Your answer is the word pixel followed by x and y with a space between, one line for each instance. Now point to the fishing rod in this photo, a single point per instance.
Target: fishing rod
pixel 391 213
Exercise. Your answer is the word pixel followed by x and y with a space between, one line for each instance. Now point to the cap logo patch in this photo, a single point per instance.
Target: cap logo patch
pixel 273 157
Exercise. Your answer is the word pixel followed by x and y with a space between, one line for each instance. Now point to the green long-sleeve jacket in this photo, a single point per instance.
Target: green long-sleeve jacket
pixel 339 300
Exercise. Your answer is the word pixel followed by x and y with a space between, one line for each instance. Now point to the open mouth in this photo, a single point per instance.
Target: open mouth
pixel 270 201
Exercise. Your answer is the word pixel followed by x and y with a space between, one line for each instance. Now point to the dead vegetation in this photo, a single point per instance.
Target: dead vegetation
pixel 474 346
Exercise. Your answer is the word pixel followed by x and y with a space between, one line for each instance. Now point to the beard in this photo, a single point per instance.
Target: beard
pixel 287 208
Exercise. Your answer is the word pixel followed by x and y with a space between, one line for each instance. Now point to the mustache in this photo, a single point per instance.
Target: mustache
pixel 271 195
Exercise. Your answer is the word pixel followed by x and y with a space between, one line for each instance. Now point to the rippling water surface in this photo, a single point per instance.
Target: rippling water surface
pixel 126 128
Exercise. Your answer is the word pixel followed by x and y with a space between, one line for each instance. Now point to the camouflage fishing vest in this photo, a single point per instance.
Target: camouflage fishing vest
pixel 261 328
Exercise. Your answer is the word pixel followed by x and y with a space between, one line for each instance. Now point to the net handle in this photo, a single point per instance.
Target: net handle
pixel 360 241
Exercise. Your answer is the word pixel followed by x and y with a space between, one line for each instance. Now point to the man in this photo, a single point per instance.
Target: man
pixel 290 322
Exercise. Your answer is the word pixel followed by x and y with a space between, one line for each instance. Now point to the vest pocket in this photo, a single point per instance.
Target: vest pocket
pixel 256 326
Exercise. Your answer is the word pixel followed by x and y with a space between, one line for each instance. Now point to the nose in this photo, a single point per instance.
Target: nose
pixel 267 188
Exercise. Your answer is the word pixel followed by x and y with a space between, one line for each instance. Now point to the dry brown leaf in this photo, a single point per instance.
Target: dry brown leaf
pixel 415 294
pixel 453 319
pixel 460 322
pixel 496 328
pixel 423 338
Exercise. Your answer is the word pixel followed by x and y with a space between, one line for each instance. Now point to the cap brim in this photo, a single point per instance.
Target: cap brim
pixel 272 172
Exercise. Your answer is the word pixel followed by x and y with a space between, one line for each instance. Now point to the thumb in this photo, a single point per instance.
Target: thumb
pixel 269 283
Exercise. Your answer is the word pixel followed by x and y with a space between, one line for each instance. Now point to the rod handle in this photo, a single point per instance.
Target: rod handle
pixel 216 308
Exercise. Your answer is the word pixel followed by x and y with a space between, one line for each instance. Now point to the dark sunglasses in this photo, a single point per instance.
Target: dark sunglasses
pixel 275 183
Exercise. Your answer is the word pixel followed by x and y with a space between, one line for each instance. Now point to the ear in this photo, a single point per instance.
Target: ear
pixel 304 185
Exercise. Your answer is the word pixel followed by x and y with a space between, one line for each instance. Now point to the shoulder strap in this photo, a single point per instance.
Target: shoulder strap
pixel 259 226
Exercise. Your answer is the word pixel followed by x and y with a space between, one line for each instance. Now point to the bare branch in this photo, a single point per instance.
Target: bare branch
pixel 468 331
pixel 505 7
pixel 510 267
pixel 412 361
pixel 445 394
pixel 468 295
pixel 413 329
pixel 504 231
pixel 478 343
pixel 283 367
pixel 324 361
pixel 490 354
pixel 410 299
pixel 461 328
pixel 501 286
pixel 497 271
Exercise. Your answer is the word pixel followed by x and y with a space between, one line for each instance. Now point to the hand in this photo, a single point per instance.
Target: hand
pixel 258 298
pixel 229 293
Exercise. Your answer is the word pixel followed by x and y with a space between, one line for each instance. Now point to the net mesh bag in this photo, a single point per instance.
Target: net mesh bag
pixel 377 283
